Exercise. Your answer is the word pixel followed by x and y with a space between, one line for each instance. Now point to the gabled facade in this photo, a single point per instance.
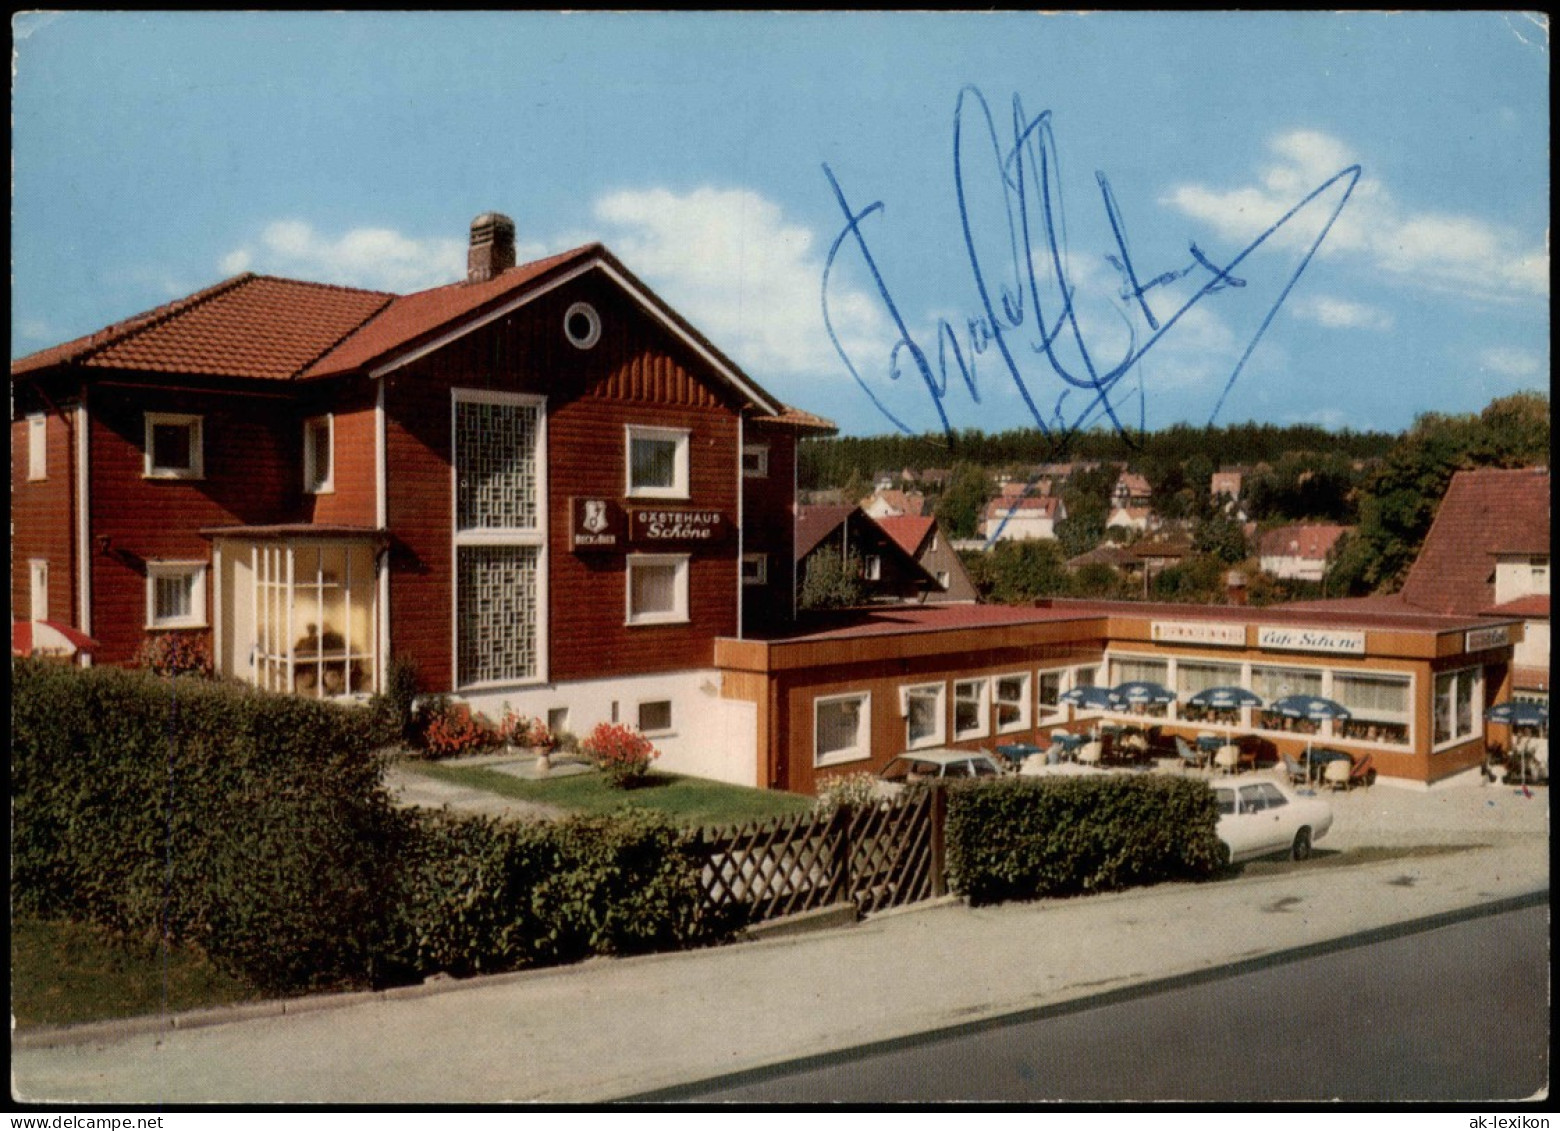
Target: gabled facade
pixel 890 574
pixel 924 540
pixel 1015 516
pixel 1299 552
pixel 541 485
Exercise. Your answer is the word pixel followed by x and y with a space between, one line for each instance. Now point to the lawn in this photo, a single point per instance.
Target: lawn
pixel 688 801
pixel 64 973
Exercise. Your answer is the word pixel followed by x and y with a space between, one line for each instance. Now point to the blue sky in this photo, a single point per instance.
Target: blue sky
pixel 723 155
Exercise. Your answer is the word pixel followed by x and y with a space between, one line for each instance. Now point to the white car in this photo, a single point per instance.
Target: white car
pixel 1263 818
pixel 938 764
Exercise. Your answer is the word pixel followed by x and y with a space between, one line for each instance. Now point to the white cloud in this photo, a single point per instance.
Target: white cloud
pixel 1511 361
pixel 376 258
pixel 1337 313
pixel 739 270
pixel 1461 254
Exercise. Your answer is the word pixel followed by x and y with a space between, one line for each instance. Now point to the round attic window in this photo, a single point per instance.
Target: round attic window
pixel 582 325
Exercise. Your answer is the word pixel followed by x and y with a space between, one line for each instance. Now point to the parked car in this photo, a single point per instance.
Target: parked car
pixel 1263 818
pixel 936 764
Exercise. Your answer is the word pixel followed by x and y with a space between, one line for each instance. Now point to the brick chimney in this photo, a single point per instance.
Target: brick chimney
pixel 492 249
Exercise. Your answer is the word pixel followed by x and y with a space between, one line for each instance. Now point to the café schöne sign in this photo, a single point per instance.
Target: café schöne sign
pixel 1286 638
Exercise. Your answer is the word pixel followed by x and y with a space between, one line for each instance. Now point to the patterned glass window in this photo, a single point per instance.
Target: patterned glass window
pixel 495 465
pixel 500 538
pixel 498 613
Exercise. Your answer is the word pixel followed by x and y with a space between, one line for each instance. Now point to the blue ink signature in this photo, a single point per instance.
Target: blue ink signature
pixel 1013 324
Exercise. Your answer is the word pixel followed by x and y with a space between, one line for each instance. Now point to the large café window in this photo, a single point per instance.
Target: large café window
pixel 1273 683
pixel 1456 718
pixel 1192 677
pixel 1129 670
pixel 1380 706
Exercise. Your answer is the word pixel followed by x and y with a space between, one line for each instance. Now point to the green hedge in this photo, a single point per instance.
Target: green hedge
pixel 256 827
pixel 251 825
pixel 478 895
pixel 1023 838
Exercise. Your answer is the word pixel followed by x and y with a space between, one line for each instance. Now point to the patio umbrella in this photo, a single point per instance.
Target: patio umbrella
pixel 1519 713
pixel 1312 707
pixel 1089 698
pixel 1140 692
pixel 1225 698
pixel 48 638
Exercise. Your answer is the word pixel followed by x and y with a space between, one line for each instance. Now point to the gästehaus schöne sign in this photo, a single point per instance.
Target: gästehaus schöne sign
pixel 676 526
pixel 1286 638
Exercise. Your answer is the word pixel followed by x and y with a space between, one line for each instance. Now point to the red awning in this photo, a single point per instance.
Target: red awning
pixel 48 638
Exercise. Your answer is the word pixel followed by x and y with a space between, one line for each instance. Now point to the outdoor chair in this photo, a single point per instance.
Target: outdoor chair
pixel 1091 753
pixel 1228 759
pixel 1189 754
pixel 1363 772
pixel 1337 773
pixel 1297 772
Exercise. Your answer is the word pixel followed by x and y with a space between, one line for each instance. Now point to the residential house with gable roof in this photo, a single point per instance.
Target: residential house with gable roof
pixel 922 537
pixel 541 484
pixel 1299 552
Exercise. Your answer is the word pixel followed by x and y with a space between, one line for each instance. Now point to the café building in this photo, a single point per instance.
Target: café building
pixel 852 694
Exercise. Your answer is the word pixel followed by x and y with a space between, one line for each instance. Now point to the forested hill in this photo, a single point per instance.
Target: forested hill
pixel 834 462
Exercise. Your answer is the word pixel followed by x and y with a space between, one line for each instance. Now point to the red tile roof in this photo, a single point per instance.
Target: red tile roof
pixel 814 524
pixel 909 531
pixel 1534 605
pixel 250 326
pixel 802 421
pixel 1308 541
pixel 1530 679
pixel 1484 513
pixel 260 327
pixel 410 319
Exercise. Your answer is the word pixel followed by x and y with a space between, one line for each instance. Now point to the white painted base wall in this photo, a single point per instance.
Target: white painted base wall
pixel 710 737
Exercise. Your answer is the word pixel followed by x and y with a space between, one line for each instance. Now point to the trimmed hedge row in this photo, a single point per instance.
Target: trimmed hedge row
pixel 1024 838
pixel 256 827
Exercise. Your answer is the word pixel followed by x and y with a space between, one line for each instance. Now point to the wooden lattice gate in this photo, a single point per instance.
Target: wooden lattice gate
pixel 879 855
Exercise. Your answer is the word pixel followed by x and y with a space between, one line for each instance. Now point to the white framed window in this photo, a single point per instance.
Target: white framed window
pixel 755 461
pixel 657 462
pixel 319 449
pixel 175 594
pixel 971 705
pixel 1380 706
pixel 1457 699
pixel 842 728
pixel 174 444
pixel 872 567
pixel 499 444
pixel 38 572
pixel 1012 695
pixel 1049 686
pixel 557 719
pixel 37 446
pixel 933 545
pixel 944 579
pixel 657 588
pixel 925 716
pixel 755 569
pixel 655 717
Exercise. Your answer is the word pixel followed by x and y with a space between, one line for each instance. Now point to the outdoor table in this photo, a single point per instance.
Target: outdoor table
pixel 1019 751
pixel 1070 743
pixel 1316 760
pixel 1208 743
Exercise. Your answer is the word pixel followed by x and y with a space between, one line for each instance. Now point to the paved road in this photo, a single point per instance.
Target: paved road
pixel 607 1029
pixel 1456 1013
